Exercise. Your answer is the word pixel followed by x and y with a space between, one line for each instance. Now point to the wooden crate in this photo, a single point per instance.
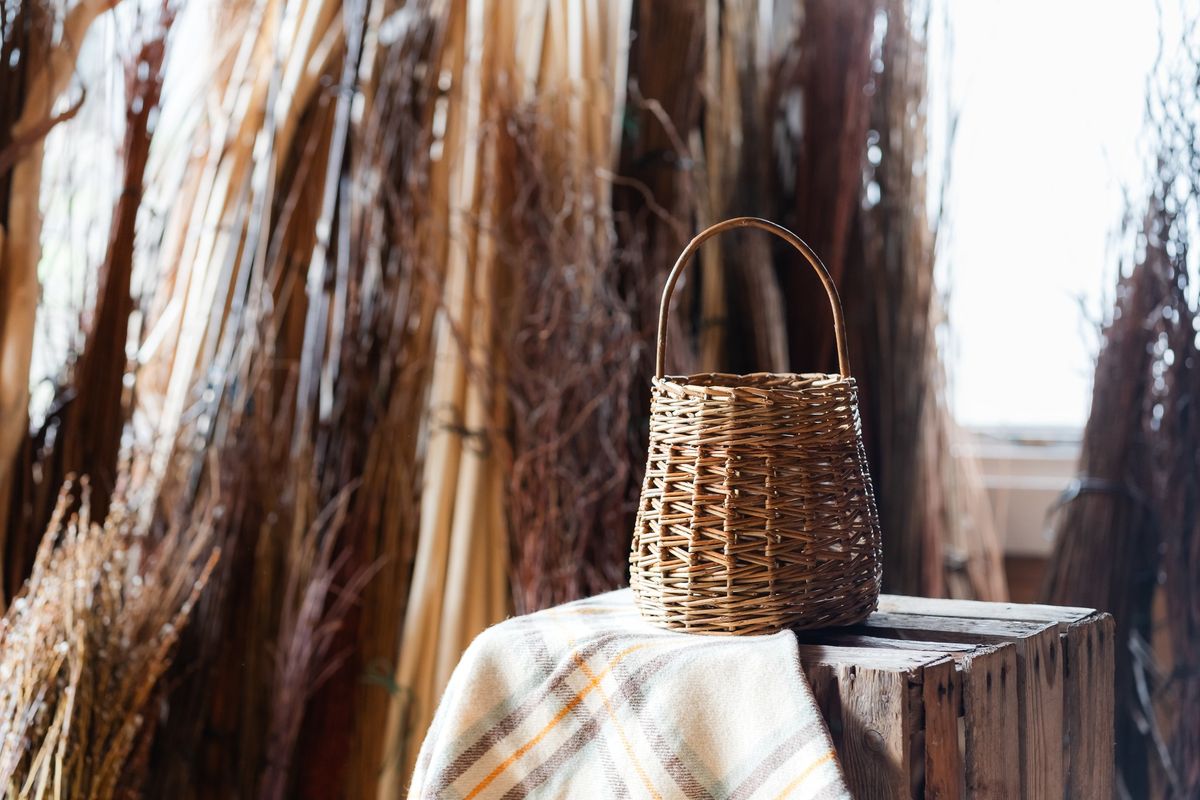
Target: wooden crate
pixel 950 699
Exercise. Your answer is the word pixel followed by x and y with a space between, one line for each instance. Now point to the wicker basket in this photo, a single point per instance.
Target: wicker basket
pixel 756 511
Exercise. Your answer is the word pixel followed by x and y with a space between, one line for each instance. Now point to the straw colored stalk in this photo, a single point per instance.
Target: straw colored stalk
pixel 306 394
pixel 217 241
pixel 459 575
pixel 83 647
pixel 38 68
pixel 244 331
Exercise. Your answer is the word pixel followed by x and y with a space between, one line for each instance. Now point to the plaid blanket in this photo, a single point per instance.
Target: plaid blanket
pixel 588 700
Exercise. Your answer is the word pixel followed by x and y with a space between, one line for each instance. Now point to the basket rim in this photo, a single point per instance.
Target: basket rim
pixel 752 381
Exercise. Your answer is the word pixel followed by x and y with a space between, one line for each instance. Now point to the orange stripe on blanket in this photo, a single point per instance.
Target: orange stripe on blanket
pixel 612 715
pixel 576 700
pixel 581 662
pixel 575 612
pixel 804 775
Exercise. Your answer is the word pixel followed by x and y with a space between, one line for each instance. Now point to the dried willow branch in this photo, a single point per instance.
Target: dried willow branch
pixel 83 432
pixel 313 355
pixel 568 377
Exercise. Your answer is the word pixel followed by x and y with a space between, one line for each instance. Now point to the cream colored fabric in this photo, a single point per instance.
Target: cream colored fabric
pixel 589 700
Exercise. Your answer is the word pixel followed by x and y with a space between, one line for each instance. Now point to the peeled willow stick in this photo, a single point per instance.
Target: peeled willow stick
pixel 231 350
pixel 738 126
pixel 457 526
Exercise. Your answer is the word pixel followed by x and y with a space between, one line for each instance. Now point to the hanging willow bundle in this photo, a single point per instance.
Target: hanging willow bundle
pixel 1129 529
pixel 566 346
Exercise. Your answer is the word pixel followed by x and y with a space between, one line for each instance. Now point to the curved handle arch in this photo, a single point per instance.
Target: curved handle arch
pixel 839 322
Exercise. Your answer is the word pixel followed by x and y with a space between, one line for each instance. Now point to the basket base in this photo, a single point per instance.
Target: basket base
pixel 747 616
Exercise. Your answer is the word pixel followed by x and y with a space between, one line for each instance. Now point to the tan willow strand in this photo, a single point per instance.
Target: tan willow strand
pixel 756 511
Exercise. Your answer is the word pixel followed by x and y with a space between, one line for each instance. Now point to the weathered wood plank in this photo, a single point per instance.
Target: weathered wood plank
pixel 943 765
pixel 900 659
pixel 978 609
pixel 1088 681
pixel 947 629
pixel 1030 686
pixel 1037 674
pixel 991 724
pixel 877 731
pixel 1039 682
pixel 843 638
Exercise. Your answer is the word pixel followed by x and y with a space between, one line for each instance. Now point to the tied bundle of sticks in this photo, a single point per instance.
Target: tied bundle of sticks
pixel 1129 528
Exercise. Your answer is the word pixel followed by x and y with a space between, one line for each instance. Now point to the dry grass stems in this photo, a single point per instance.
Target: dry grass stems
pixel 83 647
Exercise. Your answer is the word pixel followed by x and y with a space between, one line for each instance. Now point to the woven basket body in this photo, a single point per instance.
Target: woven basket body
pixel 756 510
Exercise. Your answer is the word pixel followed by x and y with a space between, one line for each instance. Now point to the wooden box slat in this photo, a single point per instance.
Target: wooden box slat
pixel 1088 687
pixel 968 699
pixel 991 723
pixel 979 609
pixel 941 696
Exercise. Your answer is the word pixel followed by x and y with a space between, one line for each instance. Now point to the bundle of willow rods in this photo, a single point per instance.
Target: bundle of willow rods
pixel 402 265
pixel 565 366
pixel 1105 551
pixel 1130 527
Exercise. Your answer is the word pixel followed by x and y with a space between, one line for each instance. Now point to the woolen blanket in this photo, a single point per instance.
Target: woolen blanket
pixel 588 700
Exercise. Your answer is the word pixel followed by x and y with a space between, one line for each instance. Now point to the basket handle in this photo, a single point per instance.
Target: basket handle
pixel 839 323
